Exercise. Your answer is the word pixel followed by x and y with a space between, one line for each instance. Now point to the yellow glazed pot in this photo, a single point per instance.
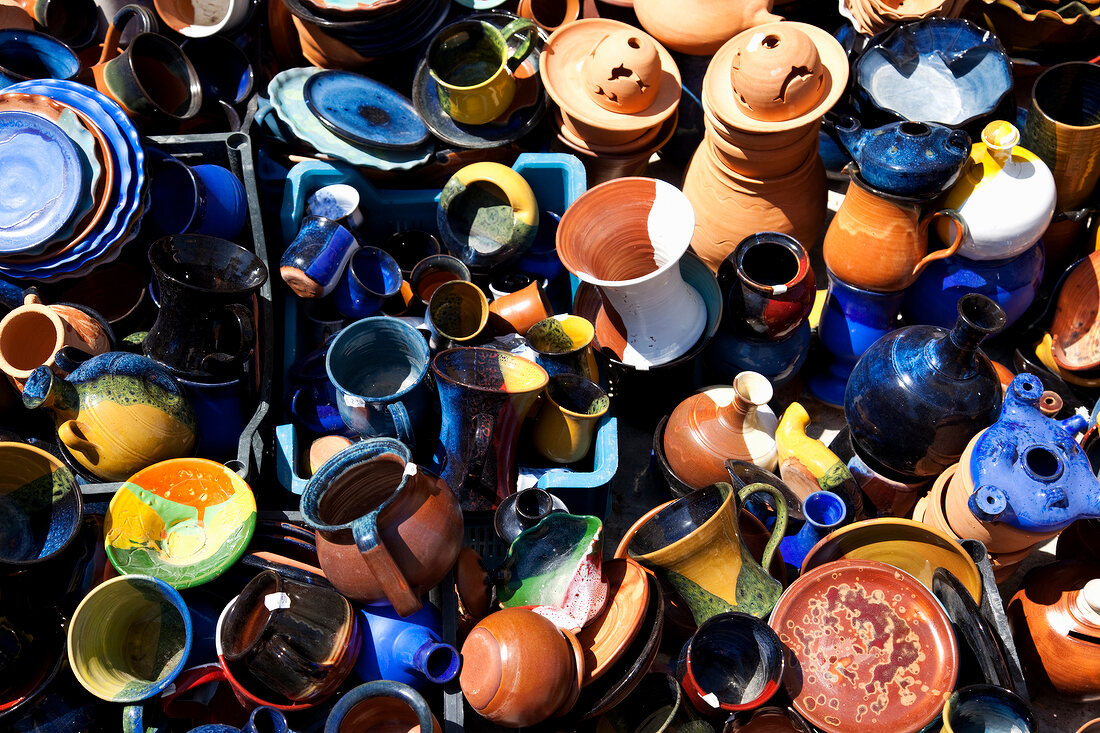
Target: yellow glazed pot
pixel 571 408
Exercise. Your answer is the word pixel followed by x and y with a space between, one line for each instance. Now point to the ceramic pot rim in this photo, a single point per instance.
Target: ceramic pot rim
pixel 38 41
pixel 439 374
pixel 389 322
pixel 779 239
pixel 59 336
pixel 1086 67
pixel 358 455
pixel 756 624
pixel 58 465
pixel 674 549
pixel 585 325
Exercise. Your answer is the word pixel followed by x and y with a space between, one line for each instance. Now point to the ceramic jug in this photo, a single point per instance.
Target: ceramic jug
pixel 386 528
pixel 807 465
pixel 485 395
pixel 919 394
pixel 695 544
pixel 116 413
pixel 1027 470
pixel 768 285
pixel 906 158
pixel 720 423
pixel 384 706
pixel 406 650
pixel 1005 197
pixel 878 241
pixel 206 322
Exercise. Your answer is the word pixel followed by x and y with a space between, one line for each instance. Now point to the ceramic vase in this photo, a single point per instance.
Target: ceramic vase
pixel 769 286
pixel 700 27
pixel 728 354
pixel 721 423
pixel 386 528
pixel 824 511
pixel 1005 196
pixel 116 413
pixel 406 650
pixel 934 388
pixel 878 241
pixel 633 259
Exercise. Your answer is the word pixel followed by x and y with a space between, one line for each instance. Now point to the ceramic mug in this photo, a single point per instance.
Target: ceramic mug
pixel 370 278
pixel 219 408
pixel 153 76
pixel 377 366
pixel 562 346
pixel 516 312
pixel 434 270
pixel 199 20
pixel 299 641
pixel 316 260
pixel 225 73
pixel 339 202
pixel 1063 128
pixel 129 638
pixel 40 507
pixel 457 314
pixel 71 21
pixel 200 199
pixel 381 705
pixel 410 247
pixel 33 55
pixel 472 63
pixel 572 406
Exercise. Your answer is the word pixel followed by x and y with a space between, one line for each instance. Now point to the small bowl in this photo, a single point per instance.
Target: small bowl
pixel 40 507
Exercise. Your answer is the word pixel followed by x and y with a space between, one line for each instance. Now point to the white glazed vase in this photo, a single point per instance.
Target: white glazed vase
pixel 626 237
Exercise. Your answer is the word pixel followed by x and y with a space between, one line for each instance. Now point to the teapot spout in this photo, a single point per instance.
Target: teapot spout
pixel 851 135
pixel 46 389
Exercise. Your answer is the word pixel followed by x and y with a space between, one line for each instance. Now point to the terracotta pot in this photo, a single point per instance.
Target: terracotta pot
pixel 517 312
pixel 880 242
pixel 32 335
pixel 700 27
pixel 930 509
pixel 729 207
pixel 321 49
pixel 550 14
pixel 745 160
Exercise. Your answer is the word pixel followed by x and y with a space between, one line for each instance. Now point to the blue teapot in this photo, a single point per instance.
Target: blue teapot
pixel 906 158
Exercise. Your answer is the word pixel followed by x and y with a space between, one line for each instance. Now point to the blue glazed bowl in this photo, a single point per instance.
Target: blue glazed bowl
pixel 33 55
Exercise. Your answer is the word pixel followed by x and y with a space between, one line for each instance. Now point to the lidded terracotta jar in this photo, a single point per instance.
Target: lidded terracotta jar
pixel 700 27
pixel 721 423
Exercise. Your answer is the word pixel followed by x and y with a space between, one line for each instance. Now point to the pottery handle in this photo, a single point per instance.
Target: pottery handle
pixel 133 720
pixel 779 528
pixel 243 318
pixel 73 434
pixel 383 567
pixel 960 235
pixel 185 697
pixel 402 423
pixel 519 27
pixel 69 358
pixel 146 20
pixel 272 720
pixel 381 688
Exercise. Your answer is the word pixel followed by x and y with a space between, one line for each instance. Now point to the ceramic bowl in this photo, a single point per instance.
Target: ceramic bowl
pixel 1037 30
pixel 34 644
pixel 734 660
pixel 1075 331
pixel 606 638
pixel 184 521
pixel 944 70
pixel 40 506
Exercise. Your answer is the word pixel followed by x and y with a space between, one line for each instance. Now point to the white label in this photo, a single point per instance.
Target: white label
pixel 410 469
pixel 711 699
pixel 354 401
pixel 275 601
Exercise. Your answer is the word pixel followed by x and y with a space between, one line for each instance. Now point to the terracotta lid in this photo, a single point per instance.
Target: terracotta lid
pixel 756 53
pixel 623 72
pixel 565 67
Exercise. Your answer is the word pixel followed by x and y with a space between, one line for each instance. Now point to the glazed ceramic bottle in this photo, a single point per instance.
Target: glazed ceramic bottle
pixel 824 511
pixel 1005 195
pixel 721 423
pixel 807 465
pixel 918 395
pixel 768 285
pixel 906 158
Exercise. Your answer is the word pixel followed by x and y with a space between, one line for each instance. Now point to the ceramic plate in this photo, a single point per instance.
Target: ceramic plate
pixel 873 648
pixel 986 647
pixel 608 635
pixel 41 180
pixel 914 547
pixel 363 111
pixel 287 93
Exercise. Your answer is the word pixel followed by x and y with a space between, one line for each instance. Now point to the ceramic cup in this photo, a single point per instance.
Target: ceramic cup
pixel 987 708
pixel 434 270
pixel 153 76
pixel 562 345
pixel 199 199
pixel 33 55
pixel 517 312
pixel 35 334
pixel 315 261
pixel 299 641
pixel 1063 128
pixel 381 706
pixel 225 73
pixel 370 278
pixel 457 314
pixel 339 202
pixel 70 21
pixel 377 366
pixel 129 638
pixel 571 408
pixel 472 63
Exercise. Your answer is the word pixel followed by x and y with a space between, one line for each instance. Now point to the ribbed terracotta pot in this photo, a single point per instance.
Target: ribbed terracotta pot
pixel 761 155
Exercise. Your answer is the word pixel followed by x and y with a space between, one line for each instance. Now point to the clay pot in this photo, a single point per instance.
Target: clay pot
pixel 324 51
pixel 550 14
pixel 32 335
pixel 729 207
pixel 769 286
pixel 1075 330
pixel 879 242
pixel 519 669
pixel 700 27
pixel 763 155
pixel 721 423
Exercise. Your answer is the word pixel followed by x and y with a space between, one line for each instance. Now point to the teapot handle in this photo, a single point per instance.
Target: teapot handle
pixel 382 565
pixel 146 20
pixel 779 528
pixel 939 254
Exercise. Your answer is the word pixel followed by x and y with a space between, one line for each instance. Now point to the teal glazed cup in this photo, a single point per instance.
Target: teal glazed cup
pixel 377 366
pixel 370 278
pixel 33 55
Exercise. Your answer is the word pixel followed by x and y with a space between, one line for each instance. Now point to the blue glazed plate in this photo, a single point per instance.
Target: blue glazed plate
pixel 105 242
pixel 41 180
pixel 364 111
pixel 89 162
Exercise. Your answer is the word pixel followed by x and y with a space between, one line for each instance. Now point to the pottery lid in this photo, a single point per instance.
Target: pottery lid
pixel 577 47
pixel 776 76
pixel 623 72
pixel 1088 601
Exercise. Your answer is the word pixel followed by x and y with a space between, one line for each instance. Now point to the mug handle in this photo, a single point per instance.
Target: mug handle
pixel 146 20
pixel 133 720
pixel 381 688
pixel 527 42
pixel 273 720
pixel 939 254
pixel 71 433
pixel 176 700
pixel 217 361
pixel 383 567
pixel 401 421
pixel 779 528
pixel 69 358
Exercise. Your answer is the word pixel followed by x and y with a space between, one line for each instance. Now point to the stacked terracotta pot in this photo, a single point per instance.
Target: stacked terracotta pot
pixel 758 167
pixel 617 91
pixel 874 16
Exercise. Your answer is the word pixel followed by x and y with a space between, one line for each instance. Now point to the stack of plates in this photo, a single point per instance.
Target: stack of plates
pixel 71 180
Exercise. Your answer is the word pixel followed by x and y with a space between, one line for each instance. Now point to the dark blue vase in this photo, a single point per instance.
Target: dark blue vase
pixel 407 650
pixel 825 511
pixel 851 321
pixel 1010 283
pixel 729 354
pixel 918 395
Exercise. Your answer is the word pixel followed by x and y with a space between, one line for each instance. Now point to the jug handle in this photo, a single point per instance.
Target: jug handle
pixel 779 528
pixel 483 436
pixel 146 20
pixel 243 317
pixel 72 433
pixel 383 567
pixel 939 254
pixel 401 422
pixel 526 30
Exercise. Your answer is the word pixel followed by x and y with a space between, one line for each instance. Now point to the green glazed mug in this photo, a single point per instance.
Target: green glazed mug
pixel 473 62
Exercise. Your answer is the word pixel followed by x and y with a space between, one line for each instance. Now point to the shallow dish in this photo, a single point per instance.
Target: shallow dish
pixel 363 111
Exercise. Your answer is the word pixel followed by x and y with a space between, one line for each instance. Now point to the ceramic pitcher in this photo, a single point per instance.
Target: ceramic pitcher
pixel 694 542
pixel 879 242
pixel 386 528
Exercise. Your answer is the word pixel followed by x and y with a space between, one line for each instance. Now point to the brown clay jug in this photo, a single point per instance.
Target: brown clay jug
pixel 879 242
